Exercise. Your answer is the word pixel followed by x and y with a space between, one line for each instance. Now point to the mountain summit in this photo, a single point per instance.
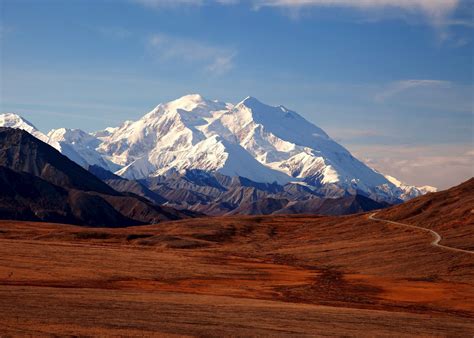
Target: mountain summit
pixel 10 120
pixel 250 139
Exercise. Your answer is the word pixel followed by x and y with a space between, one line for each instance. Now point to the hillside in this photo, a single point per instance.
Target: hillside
pixel 22 152
pixel 238 275
pixel 40 184
pixel 449 212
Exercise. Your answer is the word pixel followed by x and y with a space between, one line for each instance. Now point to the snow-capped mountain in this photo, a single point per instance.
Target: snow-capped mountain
pixel 174 137
pixel 410 192
pixel 76 144
pixel 249 139
pixel 80 147
pixel 11 120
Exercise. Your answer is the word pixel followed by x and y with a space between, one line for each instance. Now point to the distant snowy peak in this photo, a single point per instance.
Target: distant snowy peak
pixel 410 191
pixel 73 136
pixel 76 144
pixel 189 108
pixel 11 120
pixel 104 133
pixel 173 136
pixel 250 139
pixel 273 117
pixel 79 146
pixel 396 182
pixel 195 103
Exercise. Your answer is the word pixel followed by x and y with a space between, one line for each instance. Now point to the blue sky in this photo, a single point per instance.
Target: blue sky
pixel 392 80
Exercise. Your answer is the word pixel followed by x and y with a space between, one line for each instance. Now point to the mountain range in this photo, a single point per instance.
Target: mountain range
pixel 217 158
pixel 40 184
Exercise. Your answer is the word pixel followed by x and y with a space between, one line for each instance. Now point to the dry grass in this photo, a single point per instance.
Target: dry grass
pixel 274 275
pixel 449 212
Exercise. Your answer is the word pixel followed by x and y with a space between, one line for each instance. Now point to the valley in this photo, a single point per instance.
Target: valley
pixel 241 275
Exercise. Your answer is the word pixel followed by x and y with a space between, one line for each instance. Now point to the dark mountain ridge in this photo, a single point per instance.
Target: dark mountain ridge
pixel 23 152
pixel 40 184
pixel 216 194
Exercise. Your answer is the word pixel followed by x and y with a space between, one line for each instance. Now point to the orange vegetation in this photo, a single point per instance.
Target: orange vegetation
pixel 288 275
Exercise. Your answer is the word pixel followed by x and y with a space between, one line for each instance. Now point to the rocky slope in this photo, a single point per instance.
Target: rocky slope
pixel 39 183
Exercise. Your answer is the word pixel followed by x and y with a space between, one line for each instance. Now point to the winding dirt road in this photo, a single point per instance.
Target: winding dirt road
pixel 437 237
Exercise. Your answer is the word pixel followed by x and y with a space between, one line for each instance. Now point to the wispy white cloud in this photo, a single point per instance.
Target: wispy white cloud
pixel 398 87
pixel 460 22
pixel 214 59
pixel 436 10
pixel 222 64
pixel 460 42
pixel 440 165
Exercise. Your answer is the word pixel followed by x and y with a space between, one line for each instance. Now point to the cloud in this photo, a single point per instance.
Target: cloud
pixel 222 64
pixel 398 87
pixel 439 165
pixel 435 9
pixel 214 59
pixel 441 14
pixel 460 22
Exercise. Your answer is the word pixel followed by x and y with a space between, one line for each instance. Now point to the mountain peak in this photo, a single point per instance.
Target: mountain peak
pixel 193 97
pixel 189 100
pixel 70 135
pixel 11 120
pixel 257 105
pixel 251 102
pixel 261 142
pixel 189 103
